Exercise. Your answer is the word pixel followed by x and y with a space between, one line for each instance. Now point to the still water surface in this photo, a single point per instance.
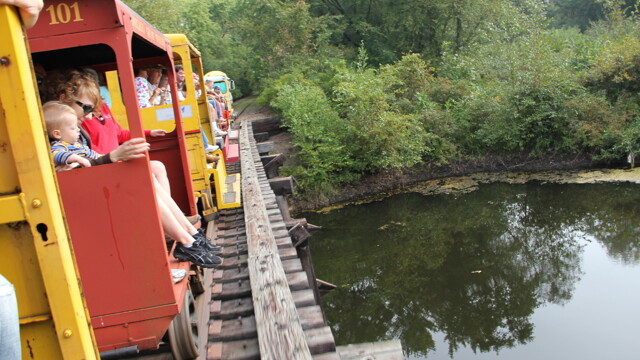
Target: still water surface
pixel 508 271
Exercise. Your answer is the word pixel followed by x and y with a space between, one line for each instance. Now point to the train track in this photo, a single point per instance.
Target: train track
pixel 234 331
pixel 229 325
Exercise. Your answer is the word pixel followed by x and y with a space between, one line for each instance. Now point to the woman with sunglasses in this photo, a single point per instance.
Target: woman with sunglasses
pixel 83 95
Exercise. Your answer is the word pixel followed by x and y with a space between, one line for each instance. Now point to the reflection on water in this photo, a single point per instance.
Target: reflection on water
pixel 469 272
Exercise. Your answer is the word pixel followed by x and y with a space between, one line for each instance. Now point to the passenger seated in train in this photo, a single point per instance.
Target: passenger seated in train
pixel 215 109
pixel 147 90
pixel 81 93
pixel 63 130
pixel 218 96
pixel 100 80
pixel 181 83
pixel 165 92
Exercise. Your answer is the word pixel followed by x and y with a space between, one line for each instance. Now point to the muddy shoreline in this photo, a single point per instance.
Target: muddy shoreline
pixel 465 176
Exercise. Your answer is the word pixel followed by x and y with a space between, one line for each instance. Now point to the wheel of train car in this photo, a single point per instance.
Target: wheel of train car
pixel 183 332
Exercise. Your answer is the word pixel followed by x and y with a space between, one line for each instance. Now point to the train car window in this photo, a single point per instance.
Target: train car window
pixel 222 85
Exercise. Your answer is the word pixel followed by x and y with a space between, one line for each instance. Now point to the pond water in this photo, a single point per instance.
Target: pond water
pixel 528 271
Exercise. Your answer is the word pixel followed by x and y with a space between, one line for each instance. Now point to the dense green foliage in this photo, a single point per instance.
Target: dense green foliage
pixel 369 86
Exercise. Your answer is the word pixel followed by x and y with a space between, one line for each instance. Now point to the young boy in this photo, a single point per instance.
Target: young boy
pixel 62 126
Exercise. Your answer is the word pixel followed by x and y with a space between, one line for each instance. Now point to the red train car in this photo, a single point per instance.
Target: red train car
pixel 111 210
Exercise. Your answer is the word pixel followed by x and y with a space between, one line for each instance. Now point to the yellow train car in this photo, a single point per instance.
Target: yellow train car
pixel 196 121
pixel 227 188
pixel 226 85
pixel 196 118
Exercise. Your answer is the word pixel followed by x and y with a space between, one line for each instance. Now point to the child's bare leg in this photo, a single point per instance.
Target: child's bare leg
pixel 159 172
pixel 170 225
pixel 174 210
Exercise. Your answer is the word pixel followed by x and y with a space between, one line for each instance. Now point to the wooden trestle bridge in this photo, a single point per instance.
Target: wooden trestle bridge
pixel 263 301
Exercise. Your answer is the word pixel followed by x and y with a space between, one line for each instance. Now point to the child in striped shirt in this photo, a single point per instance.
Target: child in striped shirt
pixel 62 126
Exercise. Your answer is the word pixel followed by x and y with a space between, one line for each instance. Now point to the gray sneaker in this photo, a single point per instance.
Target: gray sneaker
pixel 197 255
pixel 202 241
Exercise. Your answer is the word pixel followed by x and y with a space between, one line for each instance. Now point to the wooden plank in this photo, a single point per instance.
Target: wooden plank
pixel 320 340
pixel 303 298
pixel 244 327
pixel 266 158
pixel 231 309
pixel 231 275
pixel 227 289
pixel 241 328
pixel 298 280
pixel 280 333
pixel 269 124
pixel 299 234
pixel 383 350
pixel 330 356
pixel 232 262
pixel 304 253
pixel 283 206
pixel 262 136
pixel 282 185
pixel 235 250
pixel 311 317
pixel 272 167
pixel 265 147
pixel 291 223
pixel 235 350
pixel 292 265
pixel 231 290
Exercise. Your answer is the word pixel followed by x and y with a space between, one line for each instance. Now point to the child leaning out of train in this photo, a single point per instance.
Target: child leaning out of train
pixel 63 130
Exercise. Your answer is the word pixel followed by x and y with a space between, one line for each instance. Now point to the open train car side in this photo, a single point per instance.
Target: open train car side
pixel 36 255
pixel 225 190
pixel 111 210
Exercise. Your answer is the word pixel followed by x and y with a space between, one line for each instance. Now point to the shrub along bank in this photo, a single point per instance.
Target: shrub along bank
pixel 543 95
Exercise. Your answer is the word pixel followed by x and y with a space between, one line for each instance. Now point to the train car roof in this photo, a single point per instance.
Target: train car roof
pixel 181 39
pixel 80 32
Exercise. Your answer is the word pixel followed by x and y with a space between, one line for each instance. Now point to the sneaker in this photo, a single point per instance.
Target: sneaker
pixel 211 148
pixel 178 274
pixel 202 241
pixel 198 255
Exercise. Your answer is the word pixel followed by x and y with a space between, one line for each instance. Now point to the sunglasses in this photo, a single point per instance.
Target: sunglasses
pixel 86 108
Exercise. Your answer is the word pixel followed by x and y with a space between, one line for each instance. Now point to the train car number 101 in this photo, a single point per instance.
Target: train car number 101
pixel 62 13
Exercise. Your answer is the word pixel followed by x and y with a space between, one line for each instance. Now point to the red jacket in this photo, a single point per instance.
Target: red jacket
pixel 105 133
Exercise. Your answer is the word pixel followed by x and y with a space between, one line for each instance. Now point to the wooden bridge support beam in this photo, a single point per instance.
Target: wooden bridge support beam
pixel 280 333
pixel 283 185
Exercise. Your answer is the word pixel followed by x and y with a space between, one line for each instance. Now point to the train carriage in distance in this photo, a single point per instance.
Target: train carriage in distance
pixel 226 85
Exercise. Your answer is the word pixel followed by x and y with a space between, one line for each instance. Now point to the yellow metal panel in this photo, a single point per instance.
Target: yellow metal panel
pixel 152 117
pixel 35 346
pixel 117 105
pixel 161 117
pixel 195 150
pixel 11 209
pixel 20 266
pixel 43 269
pixel 223 186
pixel 189 56
pixel 9 175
